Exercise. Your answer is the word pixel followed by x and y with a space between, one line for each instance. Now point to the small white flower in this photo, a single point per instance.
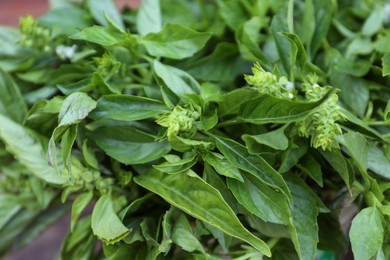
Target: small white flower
pixel 290 95
pixel 289 86
pixel 66 51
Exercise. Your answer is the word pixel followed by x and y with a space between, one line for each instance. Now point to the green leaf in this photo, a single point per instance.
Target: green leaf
pixel 287 52
pixel 174 41
pixel 74 109
pixel 378 162
pixel 231 102
pixel 239 156
pixel 292 155
pixel 149 17
pixel 386 64
pixel 177 166
pixel 275 139
pixel 301 52
pixel 323 10
pixel 127 108
pixel 222 165
pixel 79 204
pixel 366 233
pixel 58 19
pixel 178 81
pixel 100 35
pixel 223 64
pixel 312 168
pixel 129 145
pixel 374 22
pixel 182 234
pixel 269 109
pixel 304 210
pixel 105 223
pixel 260 199
pixel 336 159
pixel 246 37
pixel 27 149
pixel 197 198
pixel 356 68
pixel 357 147
pixel 12 103
pixel 233 13
pixel 100 8
pixel 8 209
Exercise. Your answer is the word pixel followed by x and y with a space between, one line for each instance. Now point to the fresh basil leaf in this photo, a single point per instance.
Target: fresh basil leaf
pixel 260 199
pixel 377 162
pixel 238 155
pixel 386 64
pixel 100 35
pixel 129 145
pixel 366 233
pixel 175 167
pixel 304 227
pixel 174 41
pixel 26 147
pixel 105 223
pixel 275 139
pixel 11 100
pixel 222 165
pixel 269 109
pixel 177 190
pixel 149 17
pixel 79 204
pixel 100 8
pixel 127 108
pixel 178 81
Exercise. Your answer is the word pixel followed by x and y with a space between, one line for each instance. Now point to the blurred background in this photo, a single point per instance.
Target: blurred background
pixel 12 10
pixel 48 244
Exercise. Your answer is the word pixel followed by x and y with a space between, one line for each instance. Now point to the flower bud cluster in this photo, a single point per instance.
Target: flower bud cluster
pixel 33 35
pixel 268 83
pixel 181 121
pixel 321 125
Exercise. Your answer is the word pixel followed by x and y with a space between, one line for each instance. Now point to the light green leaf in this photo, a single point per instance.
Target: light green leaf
pixel 11 100
pixel 239 156
pixel 366 233
pixel 58 19
pixel 275 139
pixel 182 234
pixel 222 165
pixel 386 64
pixel 269 109
pixel 127 108
pixel 223 64
pixel 129 145
pixel 28 150
pixel 312 168
pixel 336 159
pixel 246 37
pixel 174 41
pixel 8 209
pixel 100 8
pixel 179 81
pixel 197 198
pixel 105 223
pixel 149 17
pixel 260 199
pixel 79 204
pixel 301 52
pixel 75 108
pixel 231 102
pixel 357 146
pixel 374 22
pixel 323 10
pixel 304 210
pixel 377 162
pixel 175 167
pixel 100 35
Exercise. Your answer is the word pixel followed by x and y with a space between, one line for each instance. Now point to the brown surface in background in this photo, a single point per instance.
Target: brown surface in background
pixel 12 10
pixel 47 246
